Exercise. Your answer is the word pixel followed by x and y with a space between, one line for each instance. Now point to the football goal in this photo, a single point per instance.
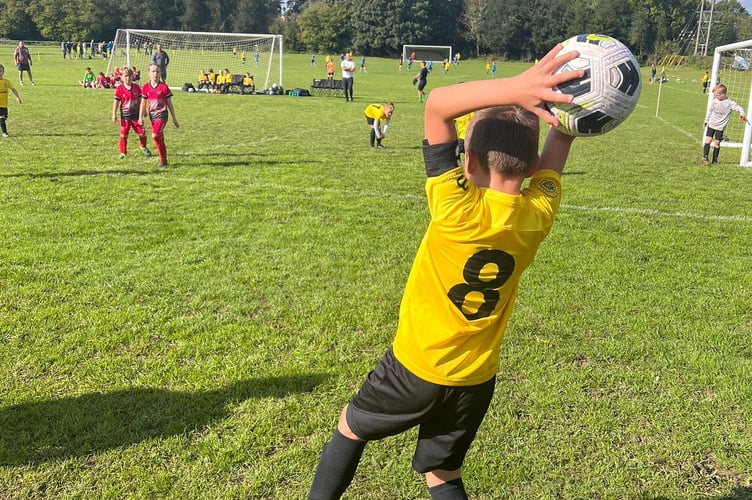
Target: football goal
pixel 435 53
pixel 732 67
pixel 190 52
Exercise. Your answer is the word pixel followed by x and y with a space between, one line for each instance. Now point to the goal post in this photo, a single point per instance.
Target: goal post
pixel 732 66
pixel 435 53
pixel 193 51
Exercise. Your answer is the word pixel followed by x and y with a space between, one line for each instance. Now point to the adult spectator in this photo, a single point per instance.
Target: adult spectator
pixel 348 72
pixel 162 60
pixel 22 57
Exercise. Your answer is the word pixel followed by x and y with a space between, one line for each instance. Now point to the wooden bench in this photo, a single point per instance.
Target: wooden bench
pixel 328 88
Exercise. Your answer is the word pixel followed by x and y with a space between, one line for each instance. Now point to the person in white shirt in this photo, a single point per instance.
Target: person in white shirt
pixel 348 71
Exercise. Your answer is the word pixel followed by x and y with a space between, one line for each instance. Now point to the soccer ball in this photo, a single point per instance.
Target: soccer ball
pixel 607 93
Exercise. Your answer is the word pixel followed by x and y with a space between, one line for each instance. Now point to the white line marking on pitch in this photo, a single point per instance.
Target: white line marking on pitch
pixel 407 196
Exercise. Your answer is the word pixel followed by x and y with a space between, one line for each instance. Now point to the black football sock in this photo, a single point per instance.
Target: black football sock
pixel 706 150
pixel 373 136
pixel 2 126
pixel 337 467
pixel 451 490
pixel 715 154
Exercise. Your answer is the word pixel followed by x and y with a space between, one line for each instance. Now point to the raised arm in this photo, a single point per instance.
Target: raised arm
pixel 555 151
pixel 531 89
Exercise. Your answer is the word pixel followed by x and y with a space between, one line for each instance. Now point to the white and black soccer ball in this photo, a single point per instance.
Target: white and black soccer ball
pixel 607 93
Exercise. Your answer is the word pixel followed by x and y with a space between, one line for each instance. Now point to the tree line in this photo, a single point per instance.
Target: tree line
pixel 508 29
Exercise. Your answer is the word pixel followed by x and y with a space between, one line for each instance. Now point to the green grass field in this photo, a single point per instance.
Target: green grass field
pixel 193 332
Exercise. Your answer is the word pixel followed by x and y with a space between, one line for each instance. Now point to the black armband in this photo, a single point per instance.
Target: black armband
pixel 439 158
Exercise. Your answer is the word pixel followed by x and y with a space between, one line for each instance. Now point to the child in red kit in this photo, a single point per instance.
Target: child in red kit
pixel 157 95
pixel 128 99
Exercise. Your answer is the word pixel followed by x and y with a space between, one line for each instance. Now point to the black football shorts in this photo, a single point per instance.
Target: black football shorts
pixel 392 400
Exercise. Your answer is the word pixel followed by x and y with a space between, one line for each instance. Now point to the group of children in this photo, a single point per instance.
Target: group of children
pixel 132 101
pixel 220 83
pixel 102 81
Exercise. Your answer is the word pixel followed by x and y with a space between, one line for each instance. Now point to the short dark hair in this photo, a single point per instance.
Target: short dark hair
pixel 504 139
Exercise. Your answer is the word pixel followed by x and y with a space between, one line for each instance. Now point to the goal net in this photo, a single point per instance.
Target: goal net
pixel 435 53
pixel 732 66
pixel 190 52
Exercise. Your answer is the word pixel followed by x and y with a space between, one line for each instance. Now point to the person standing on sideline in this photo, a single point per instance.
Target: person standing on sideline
pixel 162 60
pixel 5 87
pixel 329 69
pixel 348 74
pixel 157 96
pixel 378 117
pixel 22 58
pixel 128 100
pixel 705 79
pixel 439 373
pixel 363 65
pixel 421 78
pixel 716 120
pixel 653 70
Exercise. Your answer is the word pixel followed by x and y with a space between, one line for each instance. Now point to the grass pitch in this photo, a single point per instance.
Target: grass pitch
pixel 192 332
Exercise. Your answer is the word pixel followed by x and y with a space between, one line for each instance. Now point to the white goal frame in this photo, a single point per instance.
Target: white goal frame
pixel 428 52
pixel 193 51
pixel 739 84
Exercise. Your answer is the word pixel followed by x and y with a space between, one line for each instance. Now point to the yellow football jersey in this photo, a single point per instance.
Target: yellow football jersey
pixel 5 88
pixel 461 124
pixel 464 279
pixel 375 111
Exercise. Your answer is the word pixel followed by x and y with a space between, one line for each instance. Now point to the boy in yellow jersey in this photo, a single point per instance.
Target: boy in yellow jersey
pixel 212 79
pixel 203 80
pixel 248 86
pixel 378 117
pixel 5 87
pixel 220 81
pixel 485 227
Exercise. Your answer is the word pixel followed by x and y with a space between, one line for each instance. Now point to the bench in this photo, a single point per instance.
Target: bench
pixel 236 86
pixel 328 88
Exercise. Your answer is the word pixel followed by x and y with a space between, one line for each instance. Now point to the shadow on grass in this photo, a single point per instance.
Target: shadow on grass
pixel 738 493
pixel 32 433
pixel 83 173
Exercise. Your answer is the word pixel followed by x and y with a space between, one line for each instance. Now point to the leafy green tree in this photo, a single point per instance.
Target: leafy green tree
pixel 15 22
pixel 474 21
pixel 324 27
pixel 383 26
pixel 254 16
pixel 196 15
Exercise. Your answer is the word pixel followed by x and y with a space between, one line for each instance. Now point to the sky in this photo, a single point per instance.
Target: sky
pixel 747 5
